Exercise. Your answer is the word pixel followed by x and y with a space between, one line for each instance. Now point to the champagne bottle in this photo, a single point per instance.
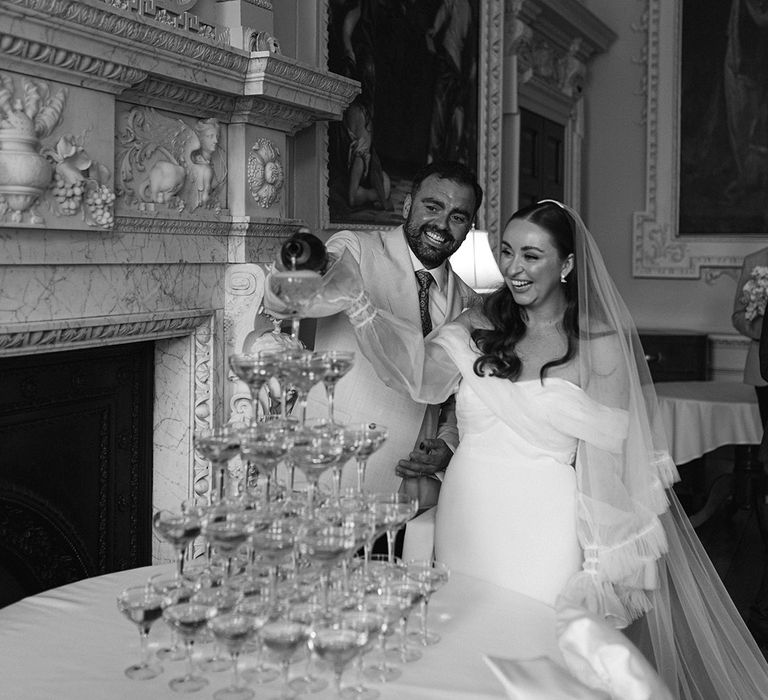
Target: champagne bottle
pixel 304 251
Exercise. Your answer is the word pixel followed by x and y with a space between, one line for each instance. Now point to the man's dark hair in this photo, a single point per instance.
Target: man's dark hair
pixel 450 170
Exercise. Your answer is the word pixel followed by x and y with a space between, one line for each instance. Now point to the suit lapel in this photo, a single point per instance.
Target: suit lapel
pixel 403 296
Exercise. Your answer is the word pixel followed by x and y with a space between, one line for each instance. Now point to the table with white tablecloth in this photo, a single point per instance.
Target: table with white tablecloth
pixel 71 643
pixel 699 417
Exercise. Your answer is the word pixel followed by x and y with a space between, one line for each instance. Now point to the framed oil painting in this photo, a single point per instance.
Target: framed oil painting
pixel 723 117
pixel 706 189
pixel 417 62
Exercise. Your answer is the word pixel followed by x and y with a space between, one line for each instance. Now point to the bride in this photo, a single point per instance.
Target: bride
pixel 560 486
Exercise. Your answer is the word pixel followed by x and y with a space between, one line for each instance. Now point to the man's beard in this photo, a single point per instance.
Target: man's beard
pixel 431 257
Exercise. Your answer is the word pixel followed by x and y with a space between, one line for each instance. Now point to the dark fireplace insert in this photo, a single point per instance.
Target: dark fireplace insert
pixel 76 465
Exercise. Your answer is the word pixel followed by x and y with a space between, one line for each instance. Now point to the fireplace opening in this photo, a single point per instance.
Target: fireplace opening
pixel 75 465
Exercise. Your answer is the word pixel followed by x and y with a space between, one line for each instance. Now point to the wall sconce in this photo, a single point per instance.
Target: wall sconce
pixel 475 263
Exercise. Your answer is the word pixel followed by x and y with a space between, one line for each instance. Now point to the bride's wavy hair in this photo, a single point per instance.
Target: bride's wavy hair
pixel 499 358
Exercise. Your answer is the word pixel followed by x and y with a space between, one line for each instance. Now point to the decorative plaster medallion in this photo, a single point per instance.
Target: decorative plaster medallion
pixel 265 173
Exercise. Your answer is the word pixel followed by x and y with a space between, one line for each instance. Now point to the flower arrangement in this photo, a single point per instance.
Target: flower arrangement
pixel 755 292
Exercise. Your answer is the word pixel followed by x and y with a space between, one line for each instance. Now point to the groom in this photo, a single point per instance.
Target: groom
pixel 406 272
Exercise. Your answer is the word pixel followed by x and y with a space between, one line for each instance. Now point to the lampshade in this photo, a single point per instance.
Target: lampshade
pixel 475 263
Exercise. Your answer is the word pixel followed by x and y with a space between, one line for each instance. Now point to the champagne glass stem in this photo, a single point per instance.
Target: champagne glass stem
pixel 235 669
pixel 190 663
pixel 180 562
pixel 337 673
pixel 295 323
pixel 310 498
pixel 424 630
pixel 285 667
pixel 144 645
pixel 361 465
pixel 391 546
pixel 330 390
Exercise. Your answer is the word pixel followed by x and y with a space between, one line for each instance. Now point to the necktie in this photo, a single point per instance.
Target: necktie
pixel 424 279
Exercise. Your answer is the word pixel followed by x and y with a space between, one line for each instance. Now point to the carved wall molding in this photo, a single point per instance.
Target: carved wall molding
pixel 265 4
pixel 490 146
pixel 658 251
pixel 181 98
pixel 203 408
pixel 47 336
pixel 71 66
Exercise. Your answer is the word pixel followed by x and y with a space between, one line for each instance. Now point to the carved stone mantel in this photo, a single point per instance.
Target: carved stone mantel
pixel 93 44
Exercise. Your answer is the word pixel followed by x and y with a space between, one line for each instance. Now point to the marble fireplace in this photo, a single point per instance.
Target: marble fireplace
pixel 148 171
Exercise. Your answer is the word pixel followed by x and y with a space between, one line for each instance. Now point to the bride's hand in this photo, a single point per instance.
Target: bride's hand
pixel 432 456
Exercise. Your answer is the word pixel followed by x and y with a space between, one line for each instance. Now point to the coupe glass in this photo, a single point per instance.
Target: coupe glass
pixel 255 369
pixel 142 605
pixel 394 509
pixel 306 612
pixel 430 575
pixel 178 590
pixel 264 446
pixel 233 630
pixel 372 623
pixel 389 605
pixel 297 289
pixel 411 594
pixel 260 609
pixel 308 369
pixel 226 529
pixel 338 643
pixel 371 438
pixel 178 529
pixel 284 638
pixel 188 619
pixel 218 446
pixel 314 453
pixel 274 546
pixel 337 364
pixel 327 545
pixel 223 599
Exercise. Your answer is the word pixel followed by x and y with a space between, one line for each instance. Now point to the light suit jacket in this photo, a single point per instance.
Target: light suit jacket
pixel 389 278
pixel 752 328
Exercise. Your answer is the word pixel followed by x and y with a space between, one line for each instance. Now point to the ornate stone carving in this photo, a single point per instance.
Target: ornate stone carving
pixel 114 22
pixel 46 337
pixel 72 63
pixel 203 403
pixel 165 161
pixel 265 173
pixel 181 98
pixel 80 184
pixel 272 115
pixel 264 41
pixel 25 173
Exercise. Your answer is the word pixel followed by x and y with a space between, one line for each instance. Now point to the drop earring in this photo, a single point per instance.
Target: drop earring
pixel 562 278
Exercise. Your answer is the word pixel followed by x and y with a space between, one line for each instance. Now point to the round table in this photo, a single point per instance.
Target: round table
pixel 71 643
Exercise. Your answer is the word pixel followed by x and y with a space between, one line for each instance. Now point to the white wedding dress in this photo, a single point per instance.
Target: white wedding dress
pixel 507 508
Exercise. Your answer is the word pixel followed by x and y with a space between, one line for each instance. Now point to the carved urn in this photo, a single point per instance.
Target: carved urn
pixel 25 174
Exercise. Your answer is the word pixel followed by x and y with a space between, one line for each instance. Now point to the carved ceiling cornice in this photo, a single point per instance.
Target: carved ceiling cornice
pixel 288 81
pixel 184 99
pixel 110 46
pixel 553 41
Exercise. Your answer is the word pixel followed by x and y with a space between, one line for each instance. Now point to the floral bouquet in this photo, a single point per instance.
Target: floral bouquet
pixel 755 292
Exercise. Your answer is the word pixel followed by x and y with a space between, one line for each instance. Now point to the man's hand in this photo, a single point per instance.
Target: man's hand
pixel 432 455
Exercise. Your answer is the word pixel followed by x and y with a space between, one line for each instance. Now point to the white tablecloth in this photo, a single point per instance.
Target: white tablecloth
pixel 701 416
pixel 71 643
